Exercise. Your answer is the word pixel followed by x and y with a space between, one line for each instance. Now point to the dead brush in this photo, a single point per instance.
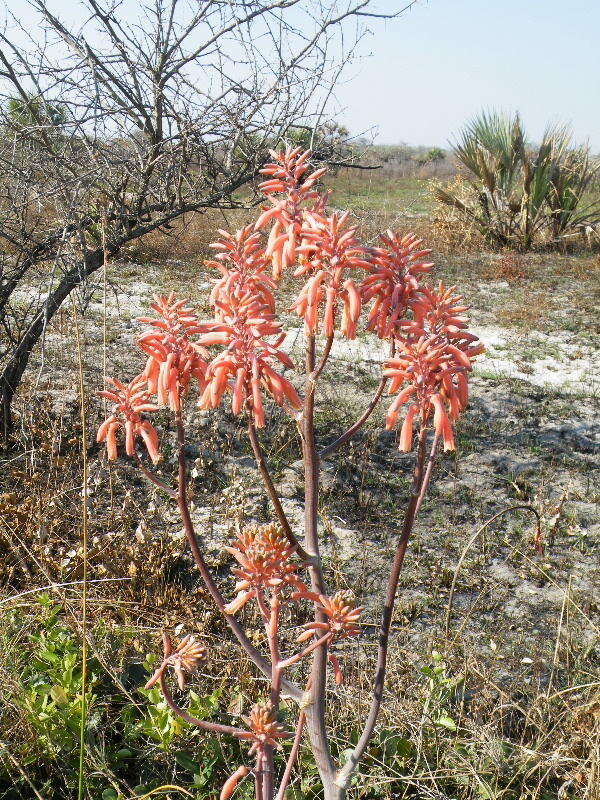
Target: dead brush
pixel 509 267
pixel 449 231
pixel 430 357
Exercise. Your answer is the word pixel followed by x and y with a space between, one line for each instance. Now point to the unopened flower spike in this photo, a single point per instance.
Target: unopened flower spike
pixel 183 659
pixel 264 727
pixel 342 617
pixel 265 559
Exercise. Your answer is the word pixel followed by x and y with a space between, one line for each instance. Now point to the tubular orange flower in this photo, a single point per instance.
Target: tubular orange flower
pixel 183 660
pixel 429 374
pixel 242 262
pixel 265 558
pixel 395 271
pixel 264 727
pixel 329 248
pixel 342 616
pixel 231 783
pixel 247 360
pixel 441 311
pixel 173 359
pixel 130 402
pixel 287 176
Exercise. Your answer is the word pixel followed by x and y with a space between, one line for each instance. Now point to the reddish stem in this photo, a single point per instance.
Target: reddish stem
pixel 323 360
pixel 272 629
pixel 213 727
pixel 258 776
pixel 288 662
pixel 287 774
pixel 272 492
pixel 386 620
pixel 315 705
pixel 427 476
pixel 353 429
pixel 153 479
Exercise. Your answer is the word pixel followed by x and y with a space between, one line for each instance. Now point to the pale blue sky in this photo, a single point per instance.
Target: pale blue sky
pixel 424 74
pixel 444 60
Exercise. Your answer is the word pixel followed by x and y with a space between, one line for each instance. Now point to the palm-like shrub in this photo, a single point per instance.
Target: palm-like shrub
pixel 521 195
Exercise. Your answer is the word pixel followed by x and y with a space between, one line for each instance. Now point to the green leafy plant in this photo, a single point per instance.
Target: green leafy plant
pixel 52 688
pixel 522 195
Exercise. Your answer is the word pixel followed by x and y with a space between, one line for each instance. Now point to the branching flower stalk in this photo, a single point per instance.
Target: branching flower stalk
pixel 241 353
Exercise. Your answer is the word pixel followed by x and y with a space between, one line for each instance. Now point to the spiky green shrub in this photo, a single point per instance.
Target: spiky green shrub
pixel 523 195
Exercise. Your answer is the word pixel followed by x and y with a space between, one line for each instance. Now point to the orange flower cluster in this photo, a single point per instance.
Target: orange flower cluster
pixel 247 361
pixel 183 659
pixel 265 559
pixel 329 249
pixel 430 377
pixel 244 310
pixel 287 177
pixel 264 727
pixel 242 262
pixel 342 617
pixel 130 402
pixel 430 371
pixel 395 271
pixel 434 349
pixel 441 312
pixel 173 359
pixel 426 325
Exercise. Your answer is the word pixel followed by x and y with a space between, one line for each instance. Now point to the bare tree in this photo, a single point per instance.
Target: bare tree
pixel 122 126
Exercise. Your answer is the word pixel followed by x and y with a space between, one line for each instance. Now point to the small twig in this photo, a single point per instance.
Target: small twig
pixel 55 586
pixel 427 475
pixel 287 662
pixel 355 427
pixel 323 360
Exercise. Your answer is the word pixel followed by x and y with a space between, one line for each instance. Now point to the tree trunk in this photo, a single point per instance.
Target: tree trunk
pixel 11 375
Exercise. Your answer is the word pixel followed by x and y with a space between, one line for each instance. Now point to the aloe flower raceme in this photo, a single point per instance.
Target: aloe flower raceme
pixel 429 375
pixel 265 729
pixel 395 272
pixel 329 249
pixel 244 367
pixel 441 311
pixel 173 358
pixel 342 617
pixel 183 659
pixel 265 559
pixel 287 176
pixel 130 402
pixel 242 262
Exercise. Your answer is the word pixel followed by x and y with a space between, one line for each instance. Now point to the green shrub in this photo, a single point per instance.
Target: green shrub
pixel 521 195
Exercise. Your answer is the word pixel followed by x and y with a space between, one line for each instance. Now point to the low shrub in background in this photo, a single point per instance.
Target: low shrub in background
pixel 518 195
